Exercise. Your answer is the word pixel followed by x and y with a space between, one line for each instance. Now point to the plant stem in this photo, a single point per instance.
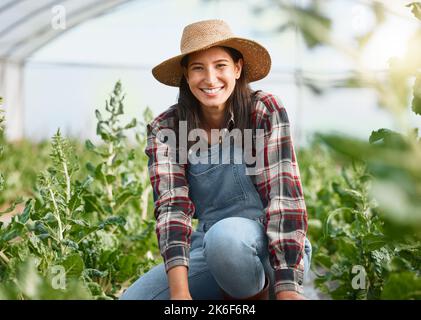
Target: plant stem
pixel 109 171
pixel 57 215
pixel 66 175
pixel 4 257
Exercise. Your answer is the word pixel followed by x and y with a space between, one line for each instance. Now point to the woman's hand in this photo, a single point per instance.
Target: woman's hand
pixel 289 295
pixel 178 283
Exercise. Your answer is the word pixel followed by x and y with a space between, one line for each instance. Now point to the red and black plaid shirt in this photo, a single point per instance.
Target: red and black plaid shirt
pixel 278 185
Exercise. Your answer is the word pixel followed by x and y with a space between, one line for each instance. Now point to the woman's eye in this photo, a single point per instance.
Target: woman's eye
pixel 220 65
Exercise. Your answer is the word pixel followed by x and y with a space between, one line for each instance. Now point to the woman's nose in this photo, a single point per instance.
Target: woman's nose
pixel 210 76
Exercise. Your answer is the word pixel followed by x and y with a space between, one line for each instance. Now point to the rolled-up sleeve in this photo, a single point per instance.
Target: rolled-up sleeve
pixel 279 185
pixel 173 208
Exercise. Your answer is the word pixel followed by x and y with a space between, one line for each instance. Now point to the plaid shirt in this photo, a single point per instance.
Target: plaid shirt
pixel 278 185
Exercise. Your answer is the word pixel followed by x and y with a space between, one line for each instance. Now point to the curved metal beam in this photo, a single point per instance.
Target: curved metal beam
pixel 9 5
pixel 24 19
pixel 46 33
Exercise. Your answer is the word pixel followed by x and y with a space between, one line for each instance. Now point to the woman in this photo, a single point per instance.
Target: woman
pixel 250 242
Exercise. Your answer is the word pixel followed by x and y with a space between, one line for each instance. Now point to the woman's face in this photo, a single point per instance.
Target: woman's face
pixel 211 75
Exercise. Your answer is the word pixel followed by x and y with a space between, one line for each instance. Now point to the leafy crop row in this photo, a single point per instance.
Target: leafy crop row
pixel 82 237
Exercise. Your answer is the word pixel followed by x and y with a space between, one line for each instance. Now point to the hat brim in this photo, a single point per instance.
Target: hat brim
pixel 257 61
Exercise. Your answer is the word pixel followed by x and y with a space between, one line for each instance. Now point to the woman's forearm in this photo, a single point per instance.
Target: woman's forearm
pixel 178 282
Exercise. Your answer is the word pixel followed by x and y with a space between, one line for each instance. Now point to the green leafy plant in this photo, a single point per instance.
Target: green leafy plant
pixel 1 147
pixel 89 230
pixel 367 213
pixel 350 232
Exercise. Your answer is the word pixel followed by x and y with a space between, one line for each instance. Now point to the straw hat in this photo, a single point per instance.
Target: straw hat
pixel 209 33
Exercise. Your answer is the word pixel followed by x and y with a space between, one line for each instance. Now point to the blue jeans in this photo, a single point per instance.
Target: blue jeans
pixel 229 248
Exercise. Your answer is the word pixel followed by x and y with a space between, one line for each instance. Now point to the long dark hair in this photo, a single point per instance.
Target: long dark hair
pixel 240 102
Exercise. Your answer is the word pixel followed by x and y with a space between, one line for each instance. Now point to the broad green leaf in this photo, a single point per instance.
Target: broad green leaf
pixel 76 199
pixel 71 244
pixel 91 273
pixel 13 230
pixel 350 198
pixel 415 8
pixel 73 265
pixel 314 25
pixel 374 242
pixel 89 145
pixel 402 286
pixel 132 124
pixel 113 221
pixel 389 138
pixel 24 216
pixel 90 167
pixel 323 259
pixel 99 174
pixel 131 155
pixel 95 289
pixel 347 247
pixel 122 199
pixel 98 115
pixel 110 178
pixel 93 204
pixel 416 100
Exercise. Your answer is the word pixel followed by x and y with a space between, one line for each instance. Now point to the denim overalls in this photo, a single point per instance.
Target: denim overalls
pixel 229 247
pixel 220 188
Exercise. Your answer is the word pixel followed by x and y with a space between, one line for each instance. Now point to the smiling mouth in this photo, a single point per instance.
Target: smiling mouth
pixel 212 91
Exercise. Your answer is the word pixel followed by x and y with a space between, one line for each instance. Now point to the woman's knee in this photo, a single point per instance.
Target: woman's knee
pixel 231 236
